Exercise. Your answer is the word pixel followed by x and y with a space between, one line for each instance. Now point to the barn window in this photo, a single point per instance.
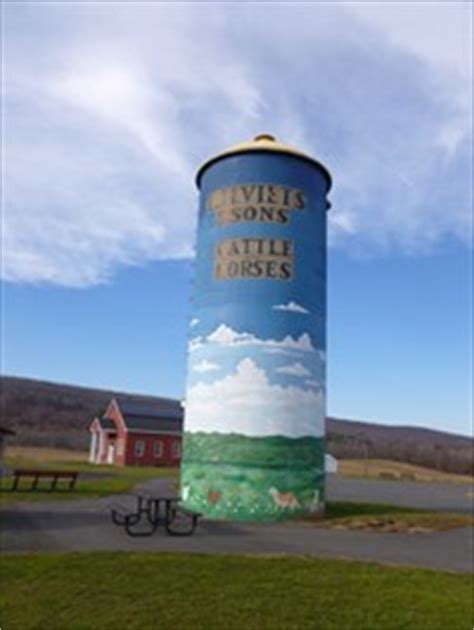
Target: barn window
pixel 139 448
pixel 158 448
pixel 176 449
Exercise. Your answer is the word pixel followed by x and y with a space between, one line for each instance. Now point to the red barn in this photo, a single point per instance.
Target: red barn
pixel 138 431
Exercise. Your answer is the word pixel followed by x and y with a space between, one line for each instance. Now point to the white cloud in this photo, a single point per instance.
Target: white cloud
pixel 193 322
pixel 413 27
pixel 246 402
pixel 437 34
pixel 295 369
pixel 226 336
pixel 122 94
pixel 293 307
pixel 104 129
pixel 205 366
pixel 313 383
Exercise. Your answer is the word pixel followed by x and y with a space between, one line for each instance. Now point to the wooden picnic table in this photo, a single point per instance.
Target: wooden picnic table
pixel 37 474
pixel 155 511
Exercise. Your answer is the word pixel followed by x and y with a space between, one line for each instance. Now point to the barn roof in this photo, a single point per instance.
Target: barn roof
pixel 106 423
pixel 150 406
pixel 151 414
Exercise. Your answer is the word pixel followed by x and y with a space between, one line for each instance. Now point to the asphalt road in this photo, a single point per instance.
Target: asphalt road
pixel 71 527
pixel 86 526
pixel 432 496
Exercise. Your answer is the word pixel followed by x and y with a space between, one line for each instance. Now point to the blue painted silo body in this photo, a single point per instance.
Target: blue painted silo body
pixel 253 446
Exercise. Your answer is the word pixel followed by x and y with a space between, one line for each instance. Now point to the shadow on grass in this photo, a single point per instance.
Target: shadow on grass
pixel 344 509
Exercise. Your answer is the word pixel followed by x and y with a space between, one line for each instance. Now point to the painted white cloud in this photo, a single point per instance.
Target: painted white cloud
pixel 195 343
pixel 321 354
pixel 246 402
pixel 295 369
pixel 279 351
pixel 103 129
pixel 205 366
pixel 226 336
pixel 292 307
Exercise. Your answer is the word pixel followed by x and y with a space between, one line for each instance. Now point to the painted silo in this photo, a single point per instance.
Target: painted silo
pixel 253 445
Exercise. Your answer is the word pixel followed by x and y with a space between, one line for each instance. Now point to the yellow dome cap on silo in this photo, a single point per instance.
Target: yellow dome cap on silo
pixel 262 143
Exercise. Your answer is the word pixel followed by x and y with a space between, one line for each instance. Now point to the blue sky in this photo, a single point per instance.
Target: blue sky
pixel 108 110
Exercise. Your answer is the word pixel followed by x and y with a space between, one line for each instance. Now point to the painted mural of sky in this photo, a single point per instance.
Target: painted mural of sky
pixel 108 109
pixel 260 385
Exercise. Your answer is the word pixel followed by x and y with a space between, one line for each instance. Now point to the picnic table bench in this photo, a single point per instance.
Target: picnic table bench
pixel 154 511
pixel 36 475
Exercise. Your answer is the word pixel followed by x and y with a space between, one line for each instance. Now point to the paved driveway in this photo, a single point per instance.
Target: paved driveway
pixel 86 526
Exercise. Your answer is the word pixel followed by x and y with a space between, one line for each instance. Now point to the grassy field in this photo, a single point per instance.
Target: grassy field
pixel 42 454
pixel 146 591
pixel 103 480
pixel 387 469
pixel 387 518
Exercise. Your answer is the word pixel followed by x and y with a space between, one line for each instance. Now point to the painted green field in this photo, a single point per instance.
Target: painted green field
pixel 242 477
pixel 143 591
pixel 275 451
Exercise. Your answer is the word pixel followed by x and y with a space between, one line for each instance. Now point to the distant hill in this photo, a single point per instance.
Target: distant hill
pixel 415 445
pixel 57 415
pixel 50 414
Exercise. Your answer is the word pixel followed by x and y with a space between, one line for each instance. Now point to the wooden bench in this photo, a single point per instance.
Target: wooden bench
pixel 36 475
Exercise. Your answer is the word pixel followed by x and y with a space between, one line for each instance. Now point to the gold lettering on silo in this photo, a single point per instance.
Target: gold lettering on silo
pixel 263 203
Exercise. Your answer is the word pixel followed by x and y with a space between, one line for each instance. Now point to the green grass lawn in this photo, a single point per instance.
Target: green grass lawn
pixel 113 480
pixel 147 591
